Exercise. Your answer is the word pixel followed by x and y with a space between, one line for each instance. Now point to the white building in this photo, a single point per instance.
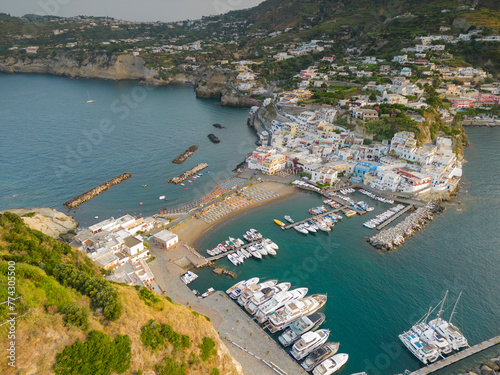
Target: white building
pixel 165 239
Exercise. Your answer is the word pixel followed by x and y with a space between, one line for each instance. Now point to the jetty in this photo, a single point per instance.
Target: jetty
pixel 336 210
pixel 186 154
pixel 458 356
pixel 187 174
pixel 394 217
pixel 82 198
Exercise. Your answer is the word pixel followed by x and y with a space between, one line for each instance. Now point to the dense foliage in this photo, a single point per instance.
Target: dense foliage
pixel 98 355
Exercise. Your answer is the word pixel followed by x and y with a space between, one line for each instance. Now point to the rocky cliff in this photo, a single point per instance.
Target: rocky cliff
pixel 103 66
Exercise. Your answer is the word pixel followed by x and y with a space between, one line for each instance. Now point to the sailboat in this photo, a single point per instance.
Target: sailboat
pixel 88 98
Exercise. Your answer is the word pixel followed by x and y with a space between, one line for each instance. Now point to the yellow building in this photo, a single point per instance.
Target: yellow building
pixel 273 164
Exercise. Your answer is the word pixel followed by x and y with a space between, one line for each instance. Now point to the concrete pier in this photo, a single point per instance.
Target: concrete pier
pixel 458 356
pixel 394 217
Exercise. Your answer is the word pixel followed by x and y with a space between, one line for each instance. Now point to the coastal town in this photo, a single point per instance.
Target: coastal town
pixel 365 127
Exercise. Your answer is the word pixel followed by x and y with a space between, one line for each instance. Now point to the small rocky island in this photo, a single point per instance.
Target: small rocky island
pixel 218 126
pixel 213 138
pixel 186 154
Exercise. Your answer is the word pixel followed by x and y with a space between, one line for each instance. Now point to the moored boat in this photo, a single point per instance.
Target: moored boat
pixel 279 299
pixel 280 223
pixel 308 342
pixel 331 365
pixel 301 326
pixel 319 355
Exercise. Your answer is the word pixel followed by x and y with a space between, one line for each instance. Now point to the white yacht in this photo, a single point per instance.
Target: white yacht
pixel 270 243
pixel 301 326
pixel 300 228
pixel 245 253
pixel 449 331
pixel 320 355
pixel 308 342
pixel 235 291
pixel 286 315
pixel 249 291
pixel 263 296
pixel 289 219
pixel 331 365
pixel 279 299
pixel 425 352
pixel 261 249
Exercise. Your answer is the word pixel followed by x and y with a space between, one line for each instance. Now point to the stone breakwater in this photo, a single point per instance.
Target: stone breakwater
pixel 389 239
pixel 186 154
pixel 82 198
pixel 187 174
pixel 491 367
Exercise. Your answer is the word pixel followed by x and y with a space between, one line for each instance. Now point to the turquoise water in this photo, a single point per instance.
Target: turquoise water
pixel 372 296
pixel 55 146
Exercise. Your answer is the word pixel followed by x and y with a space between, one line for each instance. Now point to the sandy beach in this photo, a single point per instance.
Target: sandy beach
pixel 191 229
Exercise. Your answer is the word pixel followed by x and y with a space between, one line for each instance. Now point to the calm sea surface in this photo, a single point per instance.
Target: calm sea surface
pixel 54 146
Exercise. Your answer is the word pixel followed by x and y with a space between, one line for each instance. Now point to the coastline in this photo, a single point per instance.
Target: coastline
pixel 192 229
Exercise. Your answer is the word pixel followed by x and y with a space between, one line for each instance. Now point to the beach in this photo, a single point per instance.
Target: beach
pixel 192 228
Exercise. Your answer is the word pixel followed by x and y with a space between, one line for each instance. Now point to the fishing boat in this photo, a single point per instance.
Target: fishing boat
pixel 308 342
pixel 242 284
pixel 279 299
pixel 319 355
pixel 301 326
pixel 280 223
pixel 289 219
pixel 286 315
pixel 331 365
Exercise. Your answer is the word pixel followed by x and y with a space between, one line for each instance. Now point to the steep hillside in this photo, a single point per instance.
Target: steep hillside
pixel 72 321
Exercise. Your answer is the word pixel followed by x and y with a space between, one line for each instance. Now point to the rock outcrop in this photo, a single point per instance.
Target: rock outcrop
pixel 47 220
pixel 232 100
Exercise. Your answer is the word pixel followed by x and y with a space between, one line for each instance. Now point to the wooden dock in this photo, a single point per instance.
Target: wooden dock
pixel 309 219
pixel 458 356
pixel 394 217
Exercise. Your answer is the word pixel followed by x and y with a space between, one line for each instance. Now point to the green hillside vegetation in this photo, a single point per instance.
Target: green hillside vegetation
pixel 72 321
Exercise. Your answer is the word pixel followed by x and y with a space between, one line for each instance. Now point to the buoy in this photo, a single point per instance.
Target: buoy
pixel 185 188
pixel 167 199
pixel 140 203
pixel 144 186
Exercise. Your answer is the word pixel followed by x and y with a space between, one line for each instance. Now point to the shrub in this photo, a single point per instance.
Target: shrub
pixel 171 367
pixel 75 315
pixel 215 371
pixel 157 336
pixel 207 348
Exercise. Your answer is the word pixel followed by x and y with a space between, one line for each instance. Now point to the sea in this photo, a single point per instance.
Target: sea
pixel 54 145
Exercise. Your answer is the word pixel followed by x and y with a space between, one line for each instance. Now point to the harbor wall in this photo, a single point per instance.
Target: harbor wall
pixel 388 239
pixel 82 198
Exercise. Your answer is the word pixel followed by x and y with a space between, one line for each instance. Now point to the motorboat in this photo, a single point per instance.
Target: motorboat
pixel 279 299
pixel 286 315
pixel 263 296
pixel 236 292
pixel 301 326
pixel 289 219
pixel 300 228
pixel 280 223
pixel 331 365
pixel 249 291
pixel 319 355
pixel 308 342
